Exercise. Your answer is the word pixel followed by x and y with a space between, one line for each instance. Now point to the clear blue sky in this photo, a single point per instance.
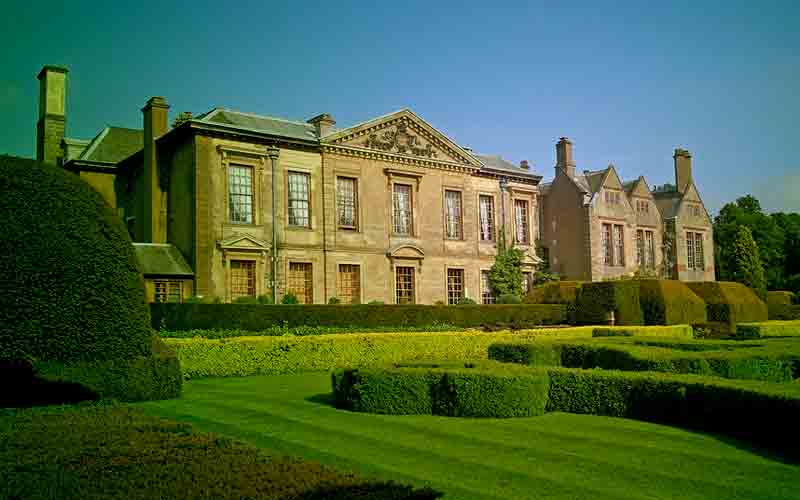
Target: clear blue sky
pixel 626 82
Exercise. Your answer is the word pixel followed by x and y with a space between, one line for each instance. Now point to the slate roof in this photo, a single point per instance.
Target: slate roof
pixel 113 144
pixel 265 124
pixel 498 164
pixel 159 259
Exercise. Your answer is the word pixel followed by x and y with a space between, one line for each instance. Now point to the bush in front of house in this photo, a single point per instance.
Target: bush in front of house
pixel 259 317
pixel 780 298
pixel 784 313
pixel 478 390
pixel 596 300
pixel 670 302
pixel 730 302
pixel 71 295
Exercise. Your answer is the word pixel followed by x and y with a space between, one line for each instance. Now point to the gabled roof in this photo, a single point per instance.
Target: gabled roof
pixel 113 144
pixel 265 124
pixel 495 163
pixel 159 259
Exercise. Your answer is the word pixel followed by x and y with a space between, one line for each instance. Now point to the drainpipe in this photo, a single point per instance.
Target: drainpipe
pixel 503 189
pixel 273 153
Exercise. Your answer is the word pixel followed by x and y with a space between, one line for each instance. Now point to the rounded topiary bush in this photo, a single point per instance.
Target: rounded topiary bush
pixel 70 289
pixel 71 296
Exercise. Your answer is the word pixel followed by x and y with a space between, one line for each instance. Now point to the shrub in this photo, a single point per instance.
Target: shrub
pixel 508 298
pixel 102 451
pixel 784 312
pixel 334 301
pixel 505 275
pixel 265 299
pixel 466 301
pixel 457 390
pixel 71 295
pixel 596 300
pixel 729 302
pixel 378 303
pixel 289 299
pixel 746 266
pixel 769 329
pixel 670 302
pixel 244 356
pixel 674 331
pixel 260 317
pixel 245 300
pixel 780 298
pixel 556 292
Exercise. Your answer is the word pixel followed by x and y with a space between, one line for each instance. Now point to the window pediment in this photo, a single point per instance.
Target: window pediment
pixel 406 251
pixel 243 242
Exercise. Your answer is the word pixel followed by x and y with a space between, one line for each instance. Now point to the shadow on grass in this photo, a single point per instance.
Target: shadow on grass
pixel 322 399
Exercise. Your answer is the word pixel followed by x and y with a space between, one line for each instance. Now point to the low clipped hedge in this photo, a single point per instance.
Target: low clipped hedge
pixel 141 378
pixel 670 302
pixel 93 452
pixel 554 292
pixel 595 300
pixel 780 298
pixel 672 331
pixel 730 302
pixel 762 413
pixel 455 390
pixel 783 312
pixel 772 363
pixel 244 356
pixel 769 329
pixel 261 317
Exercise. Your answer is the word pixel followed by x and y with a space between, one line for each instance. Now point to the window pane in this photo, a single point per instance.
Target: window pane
pixel 402 209
pixel 521 221
pixel 243 278
pixel 455 286
pixel 299 190
pixel 452 205
pixel 640 248
pixel 301 282
pixel 346 202
pixel 699 260
pixel 690 250
pixel 161 291
pixel 349 290
pixel 487 217
pixel 240 192
pixel 619 246
pixel 487 297
pixel 607 249
pixel 651 250
pixel 404 285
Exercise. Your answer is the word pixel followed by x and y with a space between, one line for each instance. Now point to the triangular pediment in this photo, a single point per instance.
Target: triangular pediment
pixel 406 134
pixel 611 179
pixel 243 242
pixel 641 189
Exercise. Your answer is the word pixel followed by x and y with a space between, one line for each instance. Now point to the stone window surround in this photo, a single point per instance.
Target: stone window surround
pixel 483 292
pixel 408 178
pixel 352 174
pixel 311 205
pixel 288 263
pixel 494 225
pixel 360 276
pixel 460 191
pixel 529 196
pixel 247 158
pixel 611 221
pixel 415 283
pixel 464 281
pixel 258 258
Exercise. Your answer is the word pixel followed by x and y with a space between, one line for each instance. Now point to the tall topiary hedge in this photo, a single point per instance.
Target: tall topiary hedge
pixel 670 302
pixel 596 300
pixel 730 302
pixel 780 298
pixel 70 289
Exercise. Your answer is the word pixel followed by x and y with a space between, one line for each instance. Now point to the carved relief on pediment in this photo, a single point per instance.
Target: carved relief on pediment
pixel 401 140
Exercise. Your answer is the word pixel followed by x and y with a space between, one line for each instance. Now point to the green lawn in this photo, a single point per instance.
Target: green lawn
pixel 554 456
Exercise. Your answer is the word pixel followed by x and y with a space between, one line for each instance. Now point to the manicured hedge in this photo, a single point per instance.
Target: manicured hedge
pixel 780 298
pixel 775 363
pixel 554 292
pixel 141 378
pixel 769 329
pixel 458 390
pixel 730 302
pixel 273 355
pixel 778 312
pixel 596 300
pixel 763 413
pixel 100 452
pixel 670 302
pixel 70 290
pixel 261 317
pixel 672 331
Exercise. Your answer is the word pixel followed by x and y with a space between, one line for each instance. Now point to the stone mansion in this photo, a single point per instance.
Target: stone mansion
pixel 229 204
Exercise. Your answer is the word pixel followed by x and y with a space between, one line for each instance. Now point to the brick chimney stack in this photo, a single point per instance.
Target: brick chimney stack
pixel 683 169
pixel 564 161
pixel 155 125
pixel 524 165
pixel 52 114
pixel 323 123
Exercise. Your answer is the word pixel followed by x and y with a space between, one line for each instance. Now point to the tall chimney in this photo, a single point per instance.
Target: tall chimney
pixel 323 123
pixel 564 161
pixel 155 125
pixel 52 114
pixel 683 169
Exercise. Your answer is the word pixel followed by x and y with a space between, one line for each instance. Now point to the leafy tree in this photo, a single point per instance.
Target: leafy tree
pixel 747 268
pixel 766 231
pixel 505 276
